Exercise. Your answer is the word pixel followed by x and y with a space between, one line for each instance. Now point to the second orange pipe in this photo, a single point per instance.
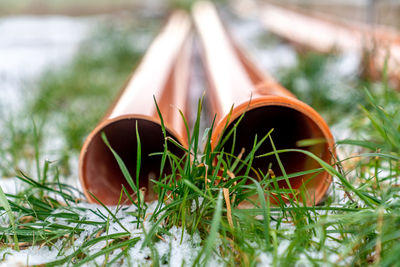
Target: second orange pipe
pixel 235 81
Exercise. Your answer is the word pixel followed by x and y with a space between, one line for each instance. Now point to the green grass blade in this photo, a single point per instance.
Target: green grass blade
pixel 121 165
pixel 4 203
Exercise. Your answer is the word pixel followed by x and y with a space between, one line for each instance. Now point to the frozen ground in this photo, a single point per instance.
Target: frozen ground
pixel 30 45
pixel 183 251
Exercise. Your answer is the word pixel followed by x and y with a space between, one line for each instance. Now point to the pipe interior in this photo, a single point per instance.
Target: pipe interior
pixel 289 126
pixel 101 171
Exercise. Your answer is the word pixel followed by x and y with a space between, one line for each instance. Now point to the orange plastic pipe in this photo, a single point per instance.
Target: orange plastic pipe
pixel 325 34
pixel 162 73
pixel 235 80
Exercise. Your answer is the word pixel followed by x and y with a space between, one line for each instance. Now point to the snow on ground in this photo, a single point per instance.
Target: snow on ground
pixel 181 251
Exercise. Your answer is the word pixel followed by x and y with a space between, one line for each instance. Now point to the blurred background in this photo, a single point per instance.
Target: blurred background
pixel 382 11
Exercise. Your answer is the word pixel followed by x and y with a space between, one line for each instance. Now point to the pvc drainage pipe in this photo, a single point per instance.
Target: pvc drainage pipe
pixel 235 80
pixel 164 74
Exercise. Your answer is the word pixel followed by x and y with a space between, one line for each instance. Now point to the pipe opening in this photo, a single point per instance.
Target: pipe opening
pixel 290 126
pixel 100 171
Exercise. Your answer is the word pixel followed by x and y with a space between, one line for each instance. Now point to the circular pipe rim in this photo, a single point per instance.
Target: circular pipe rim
pixel 264 101
pixel 104 124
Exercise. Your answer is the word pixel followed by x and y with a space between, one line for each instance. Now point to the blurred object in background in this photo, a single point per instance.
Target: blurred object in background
pixel 378 45
pixel 76 8
pixel 371 12
pixel 384 12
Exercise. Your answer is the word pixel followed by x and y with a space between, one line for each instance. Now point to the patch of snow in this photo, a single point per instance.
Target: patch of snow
pixel 34 255
pixel 174 249
pixel 193 207
pixel 345 65
pixel 266 258
pixel 11 185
